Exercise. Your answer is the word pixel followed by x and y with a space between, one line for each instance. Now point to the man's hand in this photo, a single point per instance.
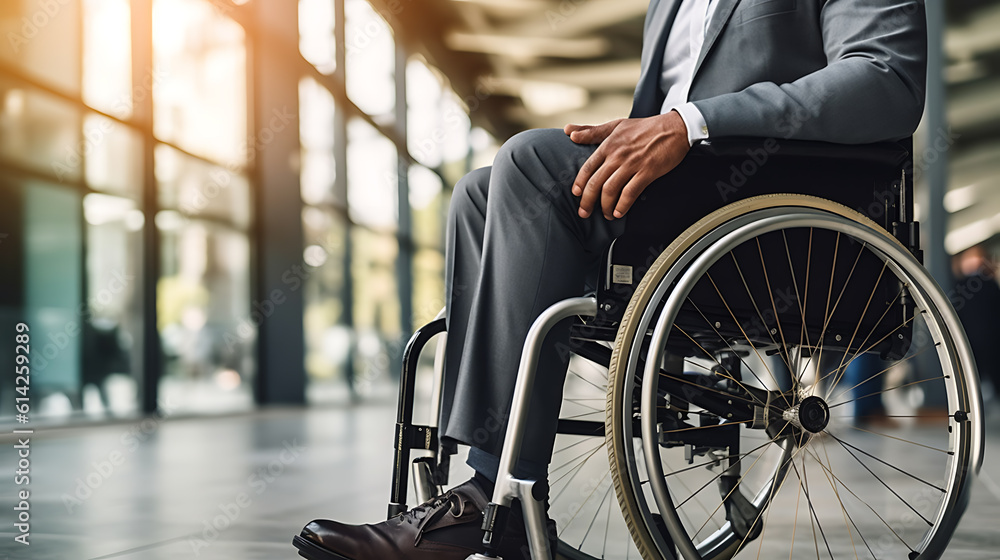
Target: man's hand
pixel 632 153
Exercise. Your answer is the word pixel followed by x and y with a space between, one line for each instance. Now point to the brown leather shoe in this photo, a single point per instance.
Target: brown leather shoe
pixel 446 528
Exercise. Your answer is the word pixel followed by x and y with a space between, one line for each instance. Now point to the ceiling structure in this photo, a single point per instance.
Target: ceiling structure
pixel 533 63
pixel 522 64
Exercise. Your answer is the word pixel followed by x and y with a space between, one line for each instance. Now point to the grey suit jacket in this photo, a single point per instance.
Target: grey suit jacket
pixel 846 71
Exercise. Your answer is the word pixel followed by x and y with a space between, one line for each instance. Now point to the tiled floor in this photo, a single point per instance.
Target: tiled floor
pixel 259 476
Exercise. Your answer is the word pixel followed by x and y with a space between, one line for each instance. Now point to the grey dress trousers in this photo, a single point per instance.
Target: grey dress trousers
pixel 515 246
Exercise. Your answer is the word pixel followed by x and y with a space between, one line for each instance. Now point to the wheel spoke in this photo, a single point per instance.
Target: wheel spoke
pixel 848 444
pixel 767 503
pixel 783 351
pixel 591 383
pixel 846 487
pixel 588 454
pixel 587 499
pixel 735 487
pixel 795 523
pixel 760 316
pixel 572 445
pixel 843 509
pixel 918 382
pixel 706 463
pixel 859 351
pixel 728 375
pixel 887 487
pixel 702 387
pixel 946 452
pixel 861 319
pixel 717 477
pixel 898 362
pixel 754 347
pixel 840 296
pixel 804 482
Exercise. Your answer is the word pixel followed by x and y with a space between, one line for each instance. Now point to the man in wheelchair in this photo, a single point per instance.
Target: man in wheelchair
pixel 535 228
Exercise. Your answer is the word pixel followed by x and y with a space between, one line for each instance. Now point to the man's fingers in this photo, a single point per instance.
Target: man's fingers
pixel 596 185
pixel 586 170
pixel 611 190
pixel 590 134
pixel 630 194
pixel 589 190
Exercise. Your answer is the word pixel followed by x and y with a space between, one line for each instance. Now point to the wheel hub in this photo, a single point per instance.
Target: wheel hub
pixel 811 415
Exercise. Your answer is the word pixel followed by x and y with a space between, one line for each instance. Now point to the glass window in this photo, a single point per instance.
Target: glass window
pixel 328 338
pixel 112 332
pixel 107 57
pixel 40 37
pixel 372 180
pixel 207 328
pixel 53 292
pixel 455 141
pixel 371 59
pixel 41 131
pixel 376 305
pixel 428 211
pixel 424 127
pixel 199 189
pixel 428 285
pixel 316 135
pixel 199 80
pixel 317 41
pixel 484 147
pixel 114 159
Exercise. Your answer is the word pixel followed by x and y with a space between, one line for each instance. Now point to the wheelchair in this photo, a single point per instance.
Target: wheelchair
pixel 722 343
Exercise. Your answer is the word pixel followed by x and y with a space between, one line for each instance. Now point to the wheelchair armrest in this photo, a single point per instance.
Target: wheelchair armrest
pixel 895 154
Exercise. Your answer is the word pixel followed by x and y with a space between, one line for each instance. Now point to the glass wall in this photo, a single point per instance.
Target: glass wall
pixel 76 216
pixel 355 164
pixel 72 220
pixel 128 185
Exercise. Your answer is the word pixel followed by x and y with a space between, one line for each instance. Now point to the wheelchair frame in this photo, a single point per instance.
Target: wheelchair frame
pixel 819 167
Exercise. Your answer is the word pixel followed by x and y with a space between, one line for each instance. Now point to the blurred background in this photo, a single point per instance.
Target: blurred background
pixel 224 204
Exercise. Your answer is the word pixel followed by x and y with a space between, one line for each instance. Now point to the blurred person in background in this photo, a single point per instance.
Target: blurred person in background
pixel 976 296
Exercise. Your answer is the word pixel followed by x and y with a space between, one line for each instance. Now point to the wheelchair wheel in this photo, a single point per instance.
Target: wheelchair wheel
pixel 582 503
pixel 729 404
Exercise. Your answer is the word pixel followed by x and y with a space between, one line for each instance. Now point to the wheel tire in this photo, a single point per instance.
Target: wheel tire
pixel 620 390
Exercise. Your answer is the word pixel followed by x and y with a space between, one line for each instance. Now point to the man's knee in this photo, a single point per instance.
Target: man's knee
pixel 547 145
pixel 470 191
pixel 547 158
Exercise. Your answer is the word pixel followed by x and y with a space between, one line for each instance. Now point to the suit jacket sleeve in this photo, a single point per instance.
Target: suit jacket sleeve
pixel 872 88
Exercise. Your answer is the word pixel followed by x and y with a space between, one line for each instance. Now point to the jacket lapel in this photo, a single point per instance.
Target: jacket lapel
pixel 719 20
pixel 648 88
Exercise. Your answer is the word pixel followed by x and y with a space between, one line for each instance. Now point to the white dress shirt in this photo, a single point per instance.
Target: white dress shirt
pixel 684 44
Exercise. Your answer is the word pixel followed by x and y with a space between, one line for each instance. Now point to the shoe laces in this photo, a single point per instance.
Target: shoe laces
pixel 431 512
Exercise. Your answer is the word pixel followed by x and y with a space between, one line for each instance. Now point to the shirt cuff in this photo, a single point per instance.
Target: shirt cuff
pixel 694 121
